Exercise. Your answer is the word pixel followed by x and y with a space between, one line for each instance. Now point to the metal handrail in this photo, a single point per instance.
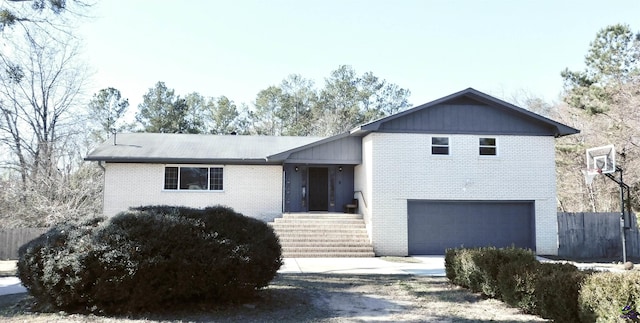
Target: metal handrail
pixel 363 200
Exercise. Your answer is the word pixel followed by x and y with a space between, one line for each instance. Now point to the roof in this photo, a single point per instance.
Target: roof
pixel 200 149
pixel 195 148
pixel 558 129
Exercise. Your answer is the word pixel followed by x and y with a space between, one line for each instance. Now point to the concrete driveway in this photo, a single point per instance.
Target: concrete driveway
pixel 417 265
pixel 11 285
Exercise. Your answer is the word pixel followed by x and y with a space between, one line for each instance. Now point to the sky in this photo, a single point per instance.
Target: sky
pixel 433 48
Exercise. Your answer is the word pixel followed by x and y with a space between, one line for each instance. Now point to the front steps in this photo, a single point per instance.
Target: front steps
pixel 322 235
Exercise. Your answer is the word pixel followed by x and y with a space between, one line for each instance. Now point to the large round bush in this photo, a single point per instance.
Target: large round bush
pixel 149 258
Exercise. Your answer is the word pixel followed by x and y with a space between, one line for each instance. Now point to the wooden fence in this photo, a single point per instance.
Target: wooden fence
pixel 12 239
pixel 595 235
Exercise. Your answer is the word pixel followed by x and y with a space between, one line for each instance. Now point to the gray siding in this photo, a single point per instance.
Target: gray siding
pixel 347 150
pixel 464 117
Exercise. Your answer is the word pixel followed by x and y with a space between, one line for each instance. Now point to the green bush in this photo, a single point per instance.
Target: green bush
pixel 546 289
pixel 516 281
pixel 557 287
pixel 52 266
pixel 517 278
pixel 477 268
pixel 452 266
pixel 149 258
pixel 603 295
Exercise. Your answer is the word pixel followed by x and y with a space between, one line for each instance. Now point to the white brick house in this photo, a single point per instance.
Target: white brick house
pixel 467 169
pixel 135 184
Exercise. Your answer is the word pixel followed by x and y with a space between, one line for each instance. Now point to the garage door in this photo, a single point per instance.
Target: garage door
pixel 437 225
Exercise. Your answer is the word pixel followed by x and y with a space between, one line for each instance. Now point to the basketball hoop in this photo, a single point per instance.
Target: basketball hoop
pixel 590 174
pixel 600 160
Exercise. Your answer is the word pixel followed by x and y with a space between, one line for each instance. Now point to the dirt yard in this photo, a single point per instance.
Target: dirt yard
pixel 318 298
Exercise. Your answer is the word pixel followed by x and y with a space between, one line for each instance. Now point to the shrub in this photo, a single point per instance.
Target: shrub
pixel 149 258
pixel 603 295
pixel 452 265
pixel 52 266
pixel 516 281
pixel 477 268
pixel 557 287
pixel 546 289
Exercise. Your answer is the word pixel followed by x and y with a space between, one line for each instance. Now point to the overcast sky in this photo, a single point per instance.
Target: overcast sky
pixel 433 48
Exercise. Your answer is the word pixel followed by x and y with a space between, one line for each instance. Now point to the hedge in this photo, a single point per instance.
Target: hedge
pixel 150 258
pixel 517 278
pixel 605 295
pixel 477 268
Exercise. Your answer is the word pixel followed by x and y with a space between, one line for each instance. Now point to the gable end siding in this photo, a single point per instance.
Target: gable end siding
pixel 347 150
pixel 468 119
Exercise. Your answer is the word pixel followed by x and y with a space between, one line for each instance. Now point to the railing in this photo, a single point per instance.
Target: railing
pixel 363 200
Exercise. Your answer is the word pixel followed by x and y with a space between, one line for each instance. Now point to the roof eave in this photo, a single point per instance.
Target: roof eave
pixel 565 131
pixel 152 160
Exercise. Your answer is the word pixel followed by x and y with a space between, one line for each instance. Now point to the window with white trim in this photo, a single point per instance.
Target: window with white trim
pixel 439 145
pixel 488 147
pixel 193 178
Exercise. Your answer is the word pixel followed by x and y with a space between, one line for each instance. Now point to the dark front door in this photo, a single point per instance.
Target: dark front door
pixel 318 189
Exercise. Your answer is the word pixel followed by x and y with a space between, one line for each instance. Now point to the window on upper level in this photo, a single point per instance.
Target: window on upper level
pixel 488 147
pixel 439 145
pixel 193 178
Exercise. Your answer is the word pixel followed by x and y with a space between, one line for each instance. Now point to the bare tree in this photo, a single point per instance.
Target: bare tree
pixel 51 17
pixel 40 90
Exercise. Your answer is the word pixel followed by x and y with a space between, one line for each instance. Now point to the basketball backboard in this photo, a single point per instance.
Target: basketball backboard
pixel 601 160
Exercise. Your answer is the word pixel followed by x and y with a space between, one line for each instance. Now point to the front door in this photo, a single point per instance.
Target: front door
pixel 318 189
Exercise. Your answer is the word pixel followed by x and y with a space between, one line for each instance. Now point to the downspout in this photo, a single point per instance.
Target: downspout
pixel 104 179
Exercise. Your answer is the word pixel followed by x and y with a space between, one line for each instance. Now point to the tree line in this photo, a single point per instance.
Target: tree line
pixel 47 126
pixel 295 107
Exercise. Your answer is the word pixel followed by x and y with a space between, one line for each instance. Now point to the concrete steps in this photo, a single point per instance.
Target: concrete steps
pixel 322 235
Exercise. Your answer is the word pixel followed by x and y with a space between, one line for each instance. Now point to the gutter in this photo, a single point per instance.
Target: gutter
pixel 160 160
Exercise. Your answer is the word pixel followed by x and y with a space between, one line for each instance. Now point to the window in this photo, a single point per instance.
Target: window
pixel 439 146
pixel 215 179
pixel 193 178
pixel 488 147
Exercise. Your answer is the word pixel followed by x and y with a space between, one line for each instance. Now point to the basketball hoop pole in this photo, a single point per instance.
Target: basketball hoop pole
pixel 603 159
pixel 623 218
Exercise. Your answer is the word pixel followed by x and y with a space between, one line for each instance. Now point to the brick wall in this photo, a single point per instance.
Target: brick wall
pixel 402 168
pixel 254 191
pixel 362 182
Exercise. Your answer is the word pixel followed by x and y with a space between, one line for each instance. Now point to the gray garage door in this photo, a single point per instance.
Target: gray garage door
pixel 437 225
